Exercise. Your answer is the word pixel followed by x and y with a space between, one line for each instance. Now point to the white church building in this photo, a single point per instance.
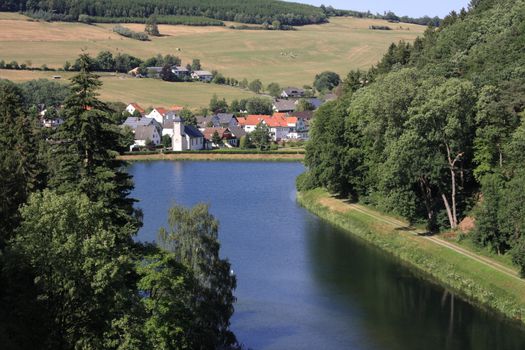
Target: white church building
pixel 186 137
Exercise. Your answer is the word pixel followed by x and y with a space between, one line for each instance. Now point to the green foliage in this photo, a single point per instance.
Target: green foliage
pixel 260 137
pixel 86 146
pixel 255 86
pixel 192 236
pixel 20 168
pixel 166 19
pixel 152 27
pixel 128 33
pixel 258 105
pixel 167 286
pixel 244 142
pixel 166 141
pixel 196 64
pixel 216 138
pixel 250 11
pixel 326 81
pixel 188 117
pixel 80 266
pixel 304 105
pixel 274 89
pixel 218 106
pixel 43 92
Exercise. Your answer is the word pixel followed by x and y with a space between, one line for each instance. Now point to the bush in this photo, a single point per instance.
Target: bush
pixel 128 33
pixel 305 182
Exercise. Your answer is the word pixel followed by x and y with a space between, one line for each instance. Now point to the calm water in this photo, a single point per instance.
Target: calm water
pixel 304 284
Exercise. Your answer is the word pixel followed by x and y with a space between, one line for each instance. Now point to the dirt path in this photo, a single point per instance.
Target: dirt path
pixel 341 206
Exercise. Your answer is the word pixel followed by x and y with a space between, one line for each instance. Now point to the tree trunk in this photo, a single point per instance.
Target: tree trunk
pixel 426 190
pixel 449 212
pixel 452 213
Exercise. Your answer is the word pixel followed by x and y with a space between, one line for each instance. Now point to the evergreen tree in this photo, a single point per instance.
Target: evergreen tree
pixel 86 146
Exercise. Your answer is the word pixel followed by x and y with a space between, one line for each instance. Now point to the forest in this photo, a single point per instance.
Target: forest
pixel 72 275
pixel 435 131
pixel 245 11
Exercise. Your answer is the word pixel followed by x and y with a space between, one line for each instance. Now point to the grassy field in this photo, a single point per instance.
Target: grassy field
pixel 476 281
pixel 146 92
pixel 289 58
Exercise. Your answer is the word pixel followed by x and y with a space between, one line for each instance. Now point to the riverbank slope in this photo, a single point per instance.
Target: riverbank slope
pixel 270 157
pixel 479 279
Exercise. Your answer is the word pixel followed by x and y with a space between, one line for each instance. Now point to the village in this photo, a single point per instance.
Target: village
pixel 220 130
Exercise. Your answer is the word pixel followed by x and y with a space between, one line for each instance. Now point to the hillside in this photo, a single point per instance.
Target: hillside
pixel 290 58
pixel 246 11
pixel 434 126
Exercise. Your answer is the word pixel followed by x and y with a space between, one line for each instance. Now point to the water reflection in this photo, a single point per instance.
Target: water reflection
pixel 304 284
pixel 400 309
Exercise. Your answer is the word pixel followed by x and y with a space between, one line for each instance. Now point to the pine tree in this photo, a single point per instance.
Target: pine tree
pixel 86 146
pixel 20 171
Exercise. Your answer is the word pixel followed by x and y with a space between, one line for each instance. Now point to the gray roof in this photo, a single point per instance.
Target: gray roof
pixel 169 118
pixel 293 91
pixel 284 105
pixel 202 72
pixel 135 122
pixel 315 102
pixel 236 131
pixel 203 121
pixel 192 131
pixel 144 132
pixel 179 69
pixel 307 115
pixel 225 118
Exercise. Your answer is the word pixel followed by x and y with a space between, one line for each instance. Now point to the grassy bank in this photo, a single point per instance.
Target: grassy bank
pixel 215 156
pixel 474 280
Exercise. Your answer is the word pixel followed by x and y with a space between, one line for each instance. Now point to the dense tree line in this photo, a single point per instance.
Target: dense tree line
pixel 245 11
pixel 71 275
pixel 434 132
pixel 172 20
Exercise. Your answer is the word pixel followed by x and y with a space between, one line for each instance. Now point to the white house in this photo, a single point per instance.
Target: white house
pixel 186 137
pixel 158 114
pixel 180 72
pixel 145 134
pixel 132 107
pixel 298 128
pixel 202 75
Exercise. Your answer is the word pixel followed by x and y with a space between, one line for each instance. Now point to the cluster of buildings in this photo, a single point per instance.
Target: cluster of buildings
pixel 180 72
pixel 149 128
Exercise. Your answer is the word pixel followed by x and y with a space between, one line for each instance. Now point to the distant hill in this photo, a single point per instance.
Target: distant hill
pixel 245 11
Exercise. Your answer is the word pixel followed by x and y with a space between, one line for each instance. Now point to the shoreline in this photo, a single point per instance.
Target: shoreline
pixel 299 157
pixel 480 281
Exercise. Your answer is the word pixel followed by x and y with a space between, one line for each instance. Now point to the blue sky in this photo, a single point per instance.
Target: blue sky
pixel 413 8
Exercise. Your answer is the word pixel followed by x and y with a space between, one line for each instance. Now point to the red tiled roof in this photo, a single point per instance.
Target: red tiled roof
pixel 162 110
pixel 291 120
pixel 208 132
pixel 280 114
pixel 176 108
pixel 138 108
pixel 276 122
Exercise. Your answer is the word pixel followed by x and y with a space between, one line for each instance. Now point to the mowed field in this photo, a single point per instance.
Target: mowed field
pixel 146 92
pixel 290 58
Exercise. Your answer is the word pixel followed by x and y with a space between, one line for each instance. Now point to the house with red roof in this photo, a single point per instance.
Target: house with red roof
pixel 132 107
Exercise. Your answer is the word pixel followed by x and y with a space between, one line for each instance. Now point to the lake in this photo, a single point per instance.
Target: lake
pixel 303 283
